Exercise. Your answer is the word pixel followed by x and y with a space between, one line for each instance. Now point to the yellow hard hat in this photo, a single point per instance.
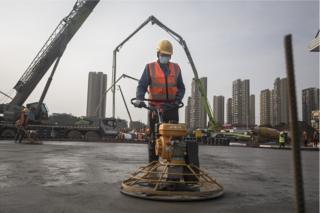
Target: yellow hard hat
pixel 165 47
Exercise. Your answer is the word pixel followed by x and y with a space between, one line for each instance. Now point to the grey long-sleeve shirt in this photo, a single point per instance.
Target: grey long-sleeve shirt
pixel 145 81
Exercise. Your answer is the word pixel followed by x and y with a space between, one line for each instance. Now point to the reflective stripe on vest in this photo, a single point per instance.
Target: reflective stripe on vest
pixel 281 139
pixel 162 88
pixel 163 97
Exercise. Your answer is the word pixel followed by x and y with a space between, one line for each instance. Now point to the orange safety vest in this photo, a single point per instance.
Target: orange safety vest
pixel 23 119
pixel 162 87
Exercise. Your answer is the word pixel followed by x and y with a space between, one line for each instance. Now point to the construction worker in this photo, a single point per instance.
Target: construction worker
pixel 305 138
pixel 286 137
pixel 21 125
pixel 163 81
pixel 282 139
pixel 198 135
pixel 315 139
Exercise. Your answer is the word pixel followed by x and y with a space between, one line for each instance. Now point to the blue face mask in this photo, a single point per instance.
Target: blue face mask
pixel 164 59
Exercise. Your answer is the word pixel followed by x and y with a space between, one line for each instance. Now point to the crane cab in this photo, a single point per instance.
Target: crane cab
pixel 38 117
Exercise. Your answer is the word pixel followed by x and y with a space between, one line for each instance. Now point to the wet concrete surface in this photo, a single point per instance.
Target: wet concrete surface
pixel 86 177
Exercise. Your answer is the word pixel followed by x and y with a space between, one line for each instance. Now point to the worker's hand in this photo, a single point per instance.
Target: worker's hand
pixel 176 104
pixel 139 103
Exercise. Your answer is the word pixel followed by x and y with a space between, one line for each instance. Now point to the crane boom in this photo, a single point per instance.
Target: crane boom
pixel 52 49
pixel 111 87
pixel 125 104
pixel 182 42
pixel 8 96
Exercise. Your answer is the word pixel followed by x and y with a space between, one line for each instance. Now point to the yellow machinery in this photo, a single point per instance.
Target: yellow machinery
pixel 169 136
pixel 176 174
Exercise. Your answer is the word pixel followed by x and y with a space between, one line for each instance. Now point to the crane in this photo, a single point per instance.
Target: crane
pixel 6 95
pixel 50 53
pixel 182 42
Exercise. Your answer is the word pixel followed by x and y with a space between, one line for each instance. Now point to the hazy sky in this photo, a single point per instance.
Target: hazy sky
pixel 227 39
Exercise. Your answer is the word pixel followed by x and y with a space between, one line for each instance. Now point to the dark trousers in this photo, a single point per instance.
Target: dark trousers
pixel 167 116
pixel 20 135
pixel 171 116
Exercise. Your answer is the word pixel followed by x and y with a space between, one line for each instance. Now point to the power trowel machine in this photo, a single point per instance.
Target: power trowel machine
pixel 173 172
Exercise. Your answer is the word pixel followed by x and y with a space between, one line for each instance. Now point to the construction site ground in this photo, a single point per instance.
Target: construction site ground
pixel 78 177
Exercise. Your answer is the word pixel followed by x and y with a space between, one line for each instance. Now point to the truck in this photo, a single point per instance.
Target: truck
pixel 49 55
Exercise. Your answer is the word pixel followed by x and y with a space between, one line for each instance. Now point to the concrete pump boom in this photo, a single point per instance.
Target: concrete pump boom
pixel 125 104
pixel 111 87
pixel 182 42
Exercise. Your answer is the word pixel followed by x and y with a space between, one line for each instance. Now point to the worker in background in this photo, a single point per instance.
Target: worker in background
pixel 282 139
pixel 305 138
pixel 315 139
pixel 198 135
pixel 286 137
pixel 21 125
pixel 163 81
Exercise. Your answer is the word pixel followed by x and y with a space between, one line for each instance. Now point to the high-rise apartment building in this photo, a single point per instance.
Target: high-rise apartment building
pixel 272 113
pixel 246 103
pixel 265 107
pixel 198 115
pixel 276 107
pixel 310 102
pixel 252 114
pixel 187 113
pixel 284 101
pixel 236 103
pixel 315 119
pixel 218 109
pixel 96 98
pixel 229 111
pixel 240 103
pixel 279 102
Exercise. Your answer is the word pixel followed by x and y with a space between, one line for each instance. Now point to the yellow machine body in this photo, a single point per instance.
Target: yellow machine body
pixel 173 176
pixel 172 130
pixel 168 132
